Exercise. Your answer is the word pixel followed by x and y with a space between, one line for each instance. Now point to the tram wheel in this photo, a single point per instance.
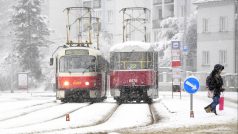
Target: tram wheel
pixel 148 100
pixel 119 101
pixel 138 101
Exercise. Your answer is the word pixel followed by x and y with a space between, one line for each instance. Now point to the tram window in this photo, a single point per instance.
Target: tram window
pixel 80 63
pixel 115 60
pixel 131 60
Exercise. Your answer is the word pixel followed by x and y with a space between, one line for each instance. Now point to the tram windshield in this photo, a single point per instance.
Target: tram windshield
pixel 77 63
pixel 131 60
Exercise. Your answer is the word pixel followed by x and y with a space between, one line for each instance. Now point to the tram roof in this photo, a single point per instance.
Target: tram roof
pixel 131 46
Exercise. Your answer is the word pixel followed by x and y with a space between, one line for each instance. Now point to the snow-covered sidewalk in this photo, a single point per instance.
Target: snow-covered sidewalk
pixel 175 112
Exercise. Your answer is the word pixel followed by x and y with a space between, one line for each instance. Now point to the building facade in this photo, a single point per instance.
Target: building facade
pixel 216 36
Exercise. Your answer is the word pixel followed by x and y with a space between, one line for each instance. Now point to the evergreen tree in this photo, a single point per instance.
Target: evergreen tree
pixel 30 30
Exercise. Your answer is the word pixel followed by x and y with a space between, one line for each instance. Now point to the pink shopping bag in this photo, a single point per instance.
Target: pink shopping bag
pixel 221 103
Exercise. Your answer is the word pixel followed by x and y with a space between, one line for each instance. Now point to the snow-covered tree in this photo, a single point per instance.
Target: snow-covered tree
pixel 172 29
pixel 169 30
pixel 191 41
pixel 5 39
pixel 31 33
pixel 169 27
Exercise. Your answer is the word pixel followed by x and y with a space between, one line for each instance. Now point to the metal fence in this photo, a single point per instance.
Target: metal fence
pixel 230 80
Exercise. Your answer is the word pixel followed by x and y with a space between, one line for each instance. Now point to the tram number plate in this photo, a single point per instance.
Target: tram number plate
pixel 132 80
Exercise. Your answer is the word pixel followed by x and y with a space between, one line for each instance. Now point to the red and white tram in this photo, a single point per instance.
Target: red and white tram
pixel 133 72
pixel 80 74
pixel 80 69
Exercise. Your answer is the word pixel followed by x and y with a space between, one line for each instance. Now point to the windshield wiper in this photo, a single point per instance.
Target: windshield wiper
pixel 87 68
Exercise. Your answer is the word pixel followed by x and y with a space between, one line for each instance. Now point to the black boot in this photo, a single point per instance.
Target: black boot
pixel 214 111
pixel 208 109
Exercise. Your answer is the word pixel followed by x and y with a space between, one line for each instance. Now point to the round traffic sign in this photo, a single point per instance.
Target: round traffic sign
pixel 191 84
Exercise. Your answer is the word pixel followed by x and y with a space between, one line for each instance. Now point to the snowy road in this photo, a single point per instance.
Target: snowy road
pixel 40 113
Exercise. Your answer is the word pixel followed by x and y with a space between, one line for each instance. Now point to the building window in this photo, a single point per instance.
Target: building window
pixel 223 57
pixel 155 36
pixel 156 2
pixel 96 3
pixel 182 10
pixel 160 14
pixel 87 3
pixel 205 25
pixel 148 37
pixel 205 58
pixel 109 16
pixel 171 10
pixel 168 1
pixel 189 62
pixel 223 24
pixel 97 14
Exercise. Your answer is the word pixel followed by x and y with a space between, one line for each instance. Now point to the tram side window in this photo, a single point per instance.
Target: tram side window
pixel 150 60
pixel 101 63
pixel 115 61
pixel 62 64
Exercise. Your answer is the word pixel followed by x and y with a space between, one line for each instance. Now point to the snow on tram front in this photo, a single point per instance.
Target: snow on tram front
pixel 133 72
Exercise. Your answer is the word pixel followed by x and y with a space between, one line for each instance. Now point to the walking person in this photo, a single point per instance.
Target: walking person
pixel 214 83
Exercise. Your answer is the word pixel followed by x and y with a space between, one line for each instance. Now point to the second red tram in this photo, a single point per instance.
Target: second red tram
pixel 133 72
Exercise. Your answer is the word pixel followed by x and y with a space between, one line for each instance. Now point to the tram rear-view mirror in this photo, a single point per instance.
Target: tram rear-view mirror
pixel 51 61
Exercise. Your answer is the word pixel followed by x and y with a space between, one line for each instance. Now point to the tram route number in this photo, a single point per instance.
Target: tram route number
pixel 132 66
pixel 133 80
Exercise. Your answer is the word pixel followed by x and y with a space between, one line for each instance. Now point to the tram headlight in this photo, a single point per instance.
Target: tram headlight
pixel 66 83
pixel 86 83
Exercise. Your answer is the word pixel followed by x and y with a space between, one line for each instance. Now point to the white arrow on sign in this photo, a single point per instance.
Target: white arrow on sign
pixel 191 85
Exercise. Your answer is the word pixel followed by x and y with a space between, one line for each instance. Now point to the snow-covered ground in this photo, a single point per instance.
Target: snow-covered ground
pixel 38 112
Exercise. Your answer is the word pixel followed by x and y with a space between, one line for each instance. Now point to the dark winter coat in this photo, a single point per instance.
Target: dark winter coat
pixel 215 81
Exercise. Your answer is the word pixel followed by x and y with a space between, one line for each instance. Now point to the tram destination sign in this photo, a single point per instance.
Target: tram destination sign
pixel 76 52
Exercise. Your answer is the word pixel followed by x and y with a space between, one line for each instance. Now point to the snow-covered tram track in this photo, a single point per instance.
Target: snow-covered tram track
pixel 42 115
pixel 125 116
pixel 59 124
pixel 26 110
pixel 154 117
pixel 54 118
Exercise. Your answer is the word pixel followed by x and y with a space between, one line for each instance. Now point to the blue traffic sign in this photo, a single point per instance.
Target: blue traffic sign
pixel 185 48
pixel 191 85
pixel 175 44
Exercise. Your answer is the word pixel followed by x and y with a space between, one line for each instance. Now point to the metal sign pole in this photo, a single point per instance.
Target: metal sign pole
pixel 172 75
pixel 191 106
pixel 191 85
pixel 180 89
